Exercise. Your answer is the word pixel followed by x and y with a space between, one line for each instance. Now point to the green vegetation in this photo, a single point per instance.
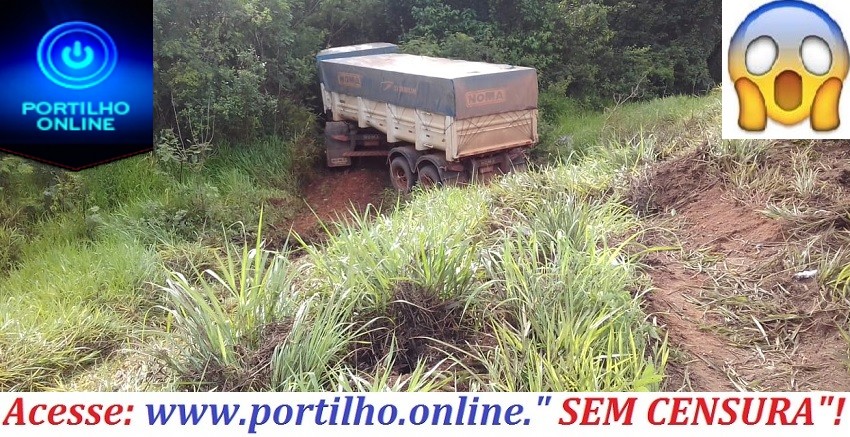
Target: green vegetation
pixel 176 270
pixel 152 274
pixel 570 129
pixel 237 70
pixel 529 283
pixel 515 286
pixel 81 252
pixel 91 286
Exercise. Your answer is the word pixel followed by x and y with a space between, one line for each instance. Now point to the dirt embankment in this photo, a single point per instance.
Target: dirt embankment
pixel 738 314
pixel 334 194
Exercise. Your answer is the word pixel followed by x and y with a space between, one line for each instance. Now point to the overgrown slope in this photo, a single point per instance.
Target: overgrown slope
pixel 525 284
pixel 532 282
pixel 569 277
pixel 755 297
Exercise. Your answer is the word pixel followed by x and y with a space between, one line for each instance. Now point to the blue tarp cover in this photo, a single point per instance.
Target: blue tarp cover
pixel 461 89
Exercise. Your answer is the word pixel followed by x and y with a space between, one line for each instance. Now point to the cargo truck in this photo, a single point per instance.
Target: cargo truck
pixel 437 121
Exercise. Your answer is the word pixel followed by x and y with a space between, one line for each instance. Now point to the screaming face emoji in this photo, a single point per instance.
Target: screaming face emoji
pixel 789 61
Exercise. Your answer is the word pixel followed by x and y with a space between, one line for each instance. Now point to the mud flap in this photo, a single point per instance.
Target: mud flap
pixel 337 144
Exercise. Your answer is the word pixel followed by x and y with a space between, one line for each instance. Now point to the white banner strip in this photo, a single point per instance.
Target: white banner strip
pixel 379 414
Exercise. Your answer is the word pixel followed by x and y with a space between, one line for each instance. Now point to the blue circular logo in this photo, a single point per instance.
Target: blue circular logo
pixel 77 55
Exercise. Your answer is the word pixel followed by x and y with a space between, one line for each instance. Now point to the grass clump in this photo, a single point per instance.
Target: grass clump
pixel 517 285
pixel 52 328
pixel 674 123
pixel 567 321
pixel 79 251
pixel 527 283
pixel 225 311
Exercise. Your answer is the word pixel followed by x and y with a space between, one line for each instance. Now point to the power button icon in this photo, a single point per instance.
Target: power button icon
pixel 77 55
pixel 78 51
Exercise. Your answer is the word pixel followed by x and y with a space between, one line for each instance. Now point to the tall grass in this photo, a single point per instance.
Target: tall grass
pixel 511 286
pixel 225 309
pixel 522 284
pixel 569 322
pixel 68 307
pixel 519 284
pixel 80 250
pixel 569 130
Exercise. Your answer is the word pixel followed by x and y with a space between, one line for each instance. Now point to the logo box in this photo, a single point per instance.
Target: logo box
pixel 77 80
pixel 760 46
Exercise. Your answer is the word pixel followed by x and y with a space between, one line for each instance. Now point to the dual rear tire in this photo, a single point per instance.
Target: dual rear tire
pixel 403 177
pixel 429 177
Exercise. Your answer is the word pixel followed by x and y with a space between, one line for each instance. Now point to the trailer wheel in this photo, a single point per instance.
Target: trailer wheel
pixel 429 176
pixel 401 175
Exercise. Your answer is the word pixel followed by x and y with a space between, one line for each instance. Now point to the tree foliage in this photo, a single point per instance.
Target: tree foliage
pixel 236 69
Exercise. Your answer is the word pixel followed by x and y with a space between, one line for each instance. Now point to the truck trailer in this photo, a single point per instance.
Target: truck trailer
pixel 437 121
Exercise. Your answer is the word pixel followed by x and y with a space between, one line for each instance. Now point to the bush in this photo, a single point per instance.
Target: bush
pixel 234 71
pixel 508 287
